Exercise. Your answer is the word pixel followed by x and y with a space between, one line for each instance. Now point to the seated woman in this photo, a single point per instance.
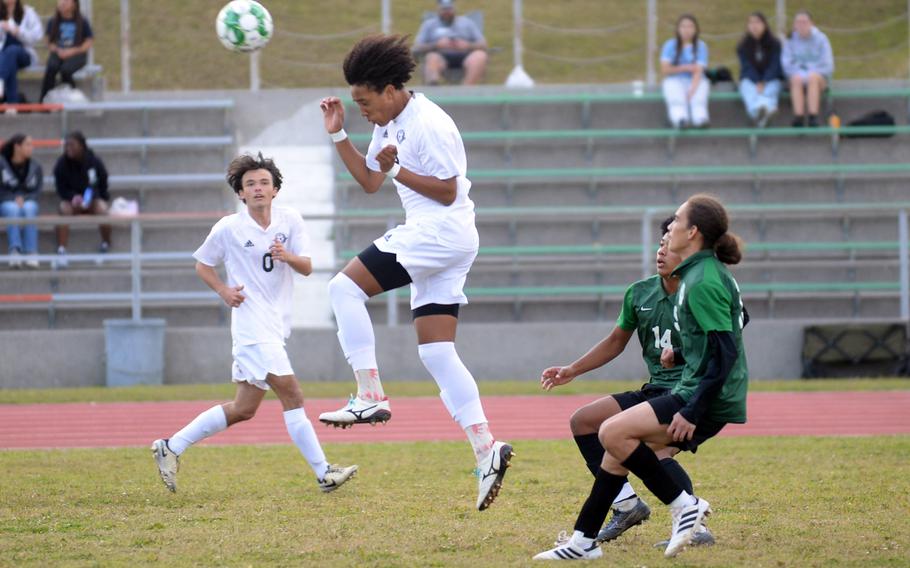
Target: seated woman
pixel 20 30
pixel 21 180
pixel 69 37
pixel 759 58
pixel 808 63
pixel 683 61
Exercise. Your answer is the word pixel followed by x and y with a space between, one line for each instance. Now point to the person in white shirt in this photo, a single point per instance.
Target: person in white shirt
pixel 20 30
pixel 416 144
pixel 260 247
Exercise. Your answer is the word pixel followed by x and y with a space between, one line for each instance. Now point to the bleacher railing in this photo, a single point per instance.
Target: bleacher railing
pixel 136 257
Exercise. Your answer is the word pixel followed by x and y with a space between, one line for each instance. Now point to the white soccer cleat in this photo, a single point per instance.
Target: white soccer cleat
pixel 358 411
pixel 168 464
pixel 491 472
pixel 335 477
pixel 686 523
pixel 576 547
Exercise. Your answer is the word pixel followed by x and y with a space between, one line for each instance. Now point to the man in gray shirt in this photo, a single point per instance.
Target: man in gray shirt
pixel 451 41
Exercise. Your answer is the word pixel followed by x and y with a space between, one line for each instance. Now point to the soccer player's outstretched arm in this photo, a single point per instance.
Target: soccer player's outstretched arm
pixel 354 161
pixel 608 349
pixel 232 296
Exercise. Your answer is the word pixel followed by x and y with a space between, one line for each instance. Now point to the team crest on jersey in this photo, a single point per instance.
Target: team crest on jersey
pixel 400 136
pixel 281 238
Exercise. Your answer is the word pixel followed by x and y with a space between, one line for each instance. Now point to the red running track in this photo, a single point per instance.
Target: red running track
pixel 424 418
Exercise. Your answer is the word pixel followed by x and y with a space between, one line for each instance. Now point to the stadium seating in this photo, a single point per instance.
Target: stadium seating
pixel 170 156
pixel 562 185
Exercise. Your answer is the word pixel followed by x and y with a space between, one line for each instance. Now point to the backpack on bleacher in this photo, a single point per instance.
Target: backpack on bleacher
pixel 873 118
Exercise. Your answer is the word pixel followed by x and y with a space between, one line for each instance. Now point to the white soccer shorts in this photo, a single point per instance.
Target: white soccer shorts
pixel 253 363
pixel 438 270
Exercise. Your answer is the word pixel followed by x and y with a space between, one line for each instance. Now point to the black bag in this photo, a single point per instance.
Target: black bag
pixel 719 75
pixel 874 118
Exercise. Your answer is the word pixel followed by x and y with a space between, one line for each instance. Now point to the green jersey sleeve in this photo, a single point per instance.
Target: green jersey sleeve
pixel 709 302
pixel 628 317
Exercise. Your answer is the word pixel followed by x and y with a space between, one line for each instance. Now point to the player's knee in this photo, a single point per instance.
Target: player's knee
pixel 341 286
pixel 580 422
pixel 242 414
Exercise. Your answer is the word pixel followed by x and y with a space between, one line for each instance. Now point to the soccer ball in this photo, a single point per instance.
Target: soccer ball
pixel 244 25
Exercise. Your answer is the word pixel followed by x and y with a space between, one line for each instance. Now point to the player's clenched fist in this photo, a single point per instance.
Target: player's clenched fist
pixel 278 251
pixel 332 114
pixel 232 296
pixel 386 157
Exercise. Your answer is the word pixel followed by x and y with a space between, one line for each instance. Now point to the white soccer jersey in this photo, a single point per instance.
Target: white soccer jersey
pixel 243 246
pixel 429 144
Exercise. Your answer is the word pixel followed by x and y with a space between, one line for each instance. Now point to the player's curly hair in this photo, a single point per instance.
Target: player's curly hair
pixel 379 60
pixel 245 163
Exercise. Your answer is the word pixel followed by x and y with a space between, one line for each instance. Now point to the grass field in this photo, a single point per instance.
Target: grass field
pixel 777 502
pixel 174 44
pixel 341 389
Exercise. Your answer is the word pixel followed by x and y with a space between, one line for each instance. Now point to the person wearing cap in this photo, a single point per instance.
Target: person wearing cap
pixel 449 41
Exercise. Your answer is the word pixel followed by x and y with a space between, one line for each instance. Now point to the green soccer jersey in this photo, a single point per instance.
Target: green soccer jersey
pixel 647 309
pixel 709 300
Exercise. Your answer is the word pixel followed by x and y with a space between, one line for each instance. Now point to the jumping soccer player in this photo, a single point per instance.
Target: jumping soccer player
pixel 647 311
pixel 711 392
pixel 260 247
pixel 417 145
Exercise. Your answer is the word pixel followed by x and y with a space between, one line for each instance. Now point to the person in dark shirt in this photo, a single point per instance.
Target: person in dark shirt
pixel 761 72
pixel 21 179
pixel 81 180
pixel 69 37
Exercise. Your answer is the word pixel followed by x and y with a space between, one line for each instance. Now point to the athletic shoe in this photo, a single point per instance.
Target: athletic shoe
pixel 686 522
pixel 15 259
pixel 702 538
pixel 623 521
pixel 168 464
pixel 575 548
pixel 491 472
pixel 32 263
pixel 358 411
pixel 335 477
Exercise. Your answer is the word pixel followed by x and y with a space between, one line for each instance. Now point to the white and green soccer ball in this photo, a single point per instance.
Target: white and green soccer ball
pixel 244 25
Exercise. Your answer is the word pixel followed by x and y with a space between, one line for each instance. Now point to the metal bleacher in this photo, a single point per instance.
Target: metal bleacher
pixel 170 156
pixel 570 181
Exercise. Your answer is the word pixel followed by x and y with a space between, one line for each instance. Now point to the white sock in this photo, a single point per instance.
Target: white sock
pixel 355 330
pixel 456 384
pixel 579 538
pixel 206 424
pixel 684 500
pixel 481 440
pixel 301 430
pixel 369 387
pixel 626 500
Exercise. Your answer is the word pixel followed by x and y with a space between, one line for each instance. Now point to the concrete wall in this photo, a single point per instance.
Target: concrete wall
pixel 69 358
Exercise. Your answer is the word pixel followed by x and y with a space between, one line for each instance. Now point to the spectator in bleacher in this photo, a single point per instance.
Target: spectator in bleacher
pixel 21 179
pixel 683 61
pixel 450 41
pixel 20 30
pixel 81 180
pixel 69 37
pixel 760 69
pixel 808 63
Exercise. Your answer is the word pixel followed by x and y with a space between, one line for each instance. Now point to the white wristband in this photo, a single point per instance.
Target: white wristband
pixel 394 171
pixel 339 136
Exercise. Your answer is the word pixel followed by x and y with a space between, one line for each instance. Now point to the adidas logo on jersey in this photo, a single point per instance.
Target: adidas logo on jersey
pixel 248 244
